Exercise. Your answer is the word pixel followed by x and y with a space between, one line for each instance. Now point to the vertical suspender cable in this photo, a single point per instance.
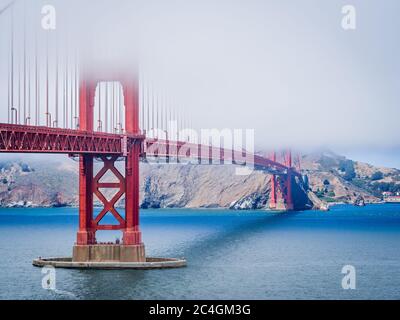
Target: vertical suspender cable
pixel 162 112
pixel 116 108
pixel 112 129
pixel 64 97
pixel 48 124
pixel 106 106
pixel 76 91
pixel 120 108
pixel 143 104
pixel 99 126
pixel 176 120
pixel 113 107
pixel 19 88
pixel 156 116
pixel 169 116
pixel 117 114
pixel 148 108
pixel 57 89
pixel 71 98
pixel 24 37
pixel 29 86
pixel 152 112
pixel 10 67
pixel 8 88
pixel 158 112
pixel 66 88
pixel 166 112
pixel 37 86
pixel 73 109
pixel 12 64
pixel 119 124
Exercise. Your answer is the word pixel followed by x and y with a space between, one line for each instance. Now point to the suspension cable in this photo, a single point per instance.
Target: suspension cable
pixel 71 89
pixel 107 105
pixel 37 82
pixel 66 89
pixel 148 107
pixel 24 46
pixel 143 104
pixel 76 91
pixel 99 126
pixel 48 116
pixel 29 59
pixel 11 66
pixel 152 112
pixel 56 123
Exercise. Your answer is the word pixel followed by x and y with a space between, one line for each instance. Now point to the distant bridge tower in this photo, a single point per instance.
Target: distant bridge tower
pixel 132 248
pixel 281 197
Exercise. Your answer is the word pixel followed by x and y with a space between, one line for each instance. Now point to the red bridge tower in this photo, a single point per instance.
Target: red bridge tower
pixel 281 197
pixel 132 248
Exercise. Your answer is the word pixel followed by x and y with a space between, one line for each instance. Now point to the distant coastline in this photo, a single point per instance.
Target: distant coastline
pixel 330 180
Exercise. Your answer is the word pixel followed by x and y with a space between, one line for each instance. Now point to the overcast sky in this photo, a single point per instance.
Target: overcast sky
pixel 286 68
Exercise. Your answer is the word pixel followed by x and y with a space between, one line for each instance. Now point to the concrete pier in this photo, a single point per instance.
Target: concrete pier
pixel 109 253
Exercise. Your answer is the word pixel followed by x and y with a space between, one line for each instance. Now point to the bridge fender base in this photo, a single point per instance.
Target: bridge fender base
pixel 149 264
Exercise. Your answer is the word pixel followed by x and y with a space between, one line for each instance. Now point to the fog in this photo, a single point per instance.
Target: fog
pixel 284 68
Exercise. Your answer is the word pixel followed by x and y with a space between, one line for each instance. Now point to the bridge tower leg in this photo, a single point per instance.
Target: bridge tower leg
pixel 288 182
pixel 272 197
pixel 132 234
pixel 281 188
pixel 288 194
pixel 86 234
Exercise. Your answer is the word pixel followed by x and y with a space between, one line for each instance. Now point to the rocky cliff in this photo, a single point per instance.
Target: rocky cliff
pixel 32 184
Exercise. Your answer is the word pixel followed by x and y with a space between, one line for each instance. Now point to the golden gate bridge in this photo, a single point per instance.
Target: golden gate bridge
pixel 58 104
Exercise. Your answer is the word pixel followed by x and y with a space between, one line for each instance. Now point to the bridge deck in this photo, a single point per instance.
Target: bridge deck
pixel 35 139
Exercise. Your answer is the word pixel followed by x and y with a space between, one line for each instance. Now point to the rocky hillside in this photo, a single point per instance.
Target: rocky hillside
pixel 331 178
pixel 334 178
pixel 39 184
pixel 33 184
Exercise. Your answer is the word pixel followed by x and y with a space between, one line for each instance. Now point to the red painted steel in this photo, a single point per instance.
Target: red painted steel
pixel 129 146
pixel 86 234
pixel 272 197
pixel 206 154
pixel 132 234
pixel 33 139
pixel 288 181
pixel 89 144
pixel 108 205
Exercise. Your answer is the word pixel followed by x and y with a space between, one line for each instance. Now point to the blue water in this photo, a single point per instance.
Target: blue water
pixel 231 255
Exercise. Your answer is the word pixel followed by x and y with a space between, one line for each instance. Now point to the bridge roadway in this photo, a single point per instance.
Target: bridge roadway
pixel 40 139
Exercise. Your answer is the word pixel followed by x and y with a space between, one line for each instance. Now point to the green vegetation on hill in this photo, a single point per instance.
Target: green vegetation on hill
pixel 347 166
pixel 379 187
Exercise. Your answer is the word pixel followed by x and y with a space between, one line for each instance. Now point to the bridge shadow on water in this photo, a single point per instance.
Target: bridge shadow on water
pixel 215 244
pixel 125 284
